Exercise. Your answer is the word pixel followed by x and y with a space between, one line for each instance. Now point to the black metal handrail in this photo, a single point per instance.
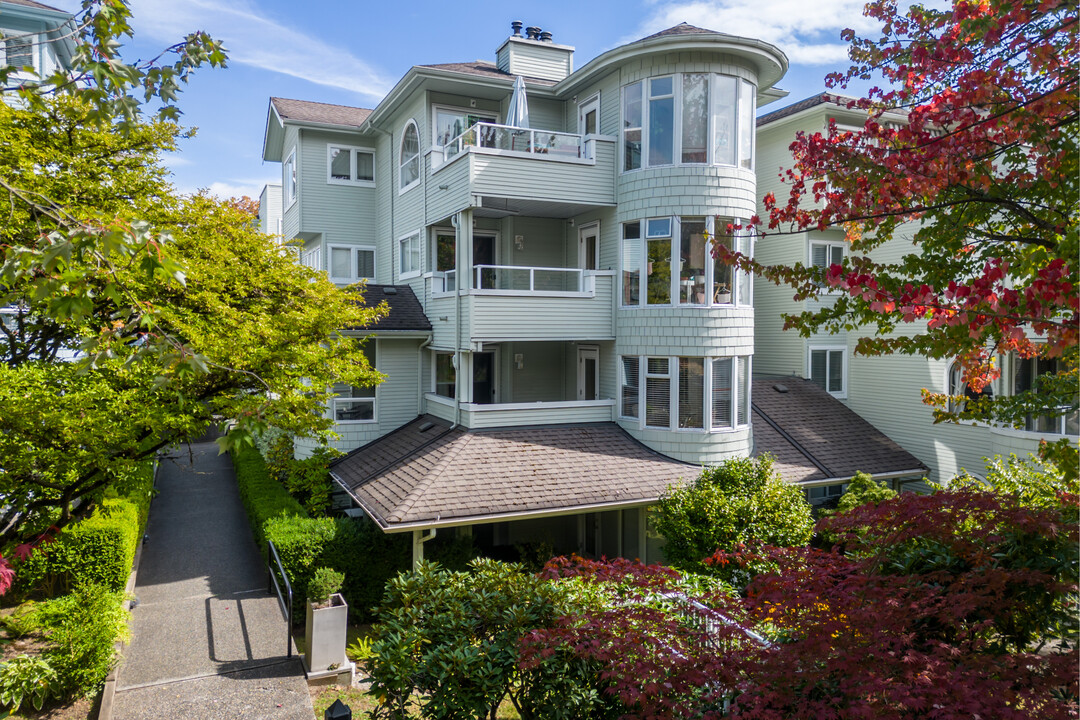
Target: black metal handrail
pixel 273 586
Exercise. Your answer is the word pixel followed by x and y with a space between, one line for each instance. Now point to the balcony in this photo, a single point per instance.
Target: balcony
pixel 521 171
pixel 512 302
pixel 476 415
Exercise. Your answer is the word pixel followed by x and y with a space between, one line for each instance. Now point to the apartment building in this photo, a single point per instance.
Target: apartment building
pixel 561 344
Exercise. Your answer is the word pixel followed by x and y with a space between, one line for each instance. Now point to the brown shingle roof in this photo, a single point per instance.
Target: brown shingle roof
pixel 681 29
pixel 316 112
pixel 426 473
pixel 814 436
pixel 406 313
pixel 483 68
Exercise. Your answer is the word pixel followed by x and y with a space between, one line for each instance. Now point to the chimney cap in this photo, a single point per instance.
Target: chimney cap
pixel 545 36
pixel 516 27
pixel 532 32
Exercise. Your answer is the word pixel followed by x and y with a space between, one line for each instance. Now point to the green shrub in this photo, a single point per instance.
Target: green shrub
pixel 452 640
pixel 864 489
pixel 264 497
pixel 82 629
pixel 309 482
pixel 740 501
pixel 366 555
pixel 22 621
pixel 98 550
pixel 26 678
pixel 324 583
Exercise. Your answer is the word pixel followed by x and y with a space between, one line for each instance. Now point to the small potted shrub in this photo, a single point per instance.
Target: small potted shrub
pixel 327 620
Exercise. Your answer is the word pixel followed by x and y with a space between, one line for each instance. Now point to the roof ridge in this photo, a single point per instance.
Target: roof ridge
pixel 406 505
pixel 317 102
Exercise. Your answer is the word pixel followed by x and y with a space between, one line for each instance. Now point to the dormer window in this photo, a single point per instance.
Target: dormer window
pixel 410 156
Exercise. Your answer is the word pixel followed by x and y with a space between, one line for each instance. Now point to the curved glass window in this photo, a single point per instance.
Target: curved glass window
pixel 689 119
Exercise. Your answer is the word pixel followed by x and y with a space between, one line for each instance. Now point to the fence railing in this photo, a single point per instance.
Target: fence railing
pixel 284 596
pixel 522 278
pixel 544 143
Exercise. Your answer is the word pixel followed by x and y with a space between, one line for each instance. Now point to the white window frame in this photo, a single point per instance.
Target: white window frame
pixel 745 236
pixel 583 107
pixel 353 151
pixel 672 377
pixel 435 372
pixel 373 400
pixel 622 383
pixel 829 246
pixel 34 41
pixel 827 349
pixel 398 255
pixel 289 185
pixel 402 189
pixel 677 91
pixel 583 232
pixel 354 277
pixel 740 393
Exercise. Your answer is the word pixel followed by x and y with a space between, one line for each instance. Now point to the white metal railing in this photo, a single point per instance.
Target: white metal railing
pixel 444 281
pixel 521 278
pixel 311 259
pixel 544 143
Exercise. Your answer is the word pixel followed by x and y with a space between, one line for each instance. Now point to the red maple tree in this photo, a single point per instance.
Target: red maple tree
pixel 969 150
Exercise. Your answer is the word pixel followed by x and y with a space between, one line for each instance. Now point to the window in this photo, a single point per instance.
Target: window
pixel 657 393
pixel 631 263
pixel 350 165
pixel 409 256
pixel 449 122
pixel 410 156
pixel 630 387
pixel 825 254
pixel 694 279
pixel 356 404
pixel 18 52
pixel 955 387
pixel 692 392
pixel 351 263
pixel 690 118
pixel 827 369
pixel 1062 420
pixel 312 258
pixel 445 375
pixel 658 263
pixel 711 393
pixel 661 121
pixel 632 115
pixel 288 179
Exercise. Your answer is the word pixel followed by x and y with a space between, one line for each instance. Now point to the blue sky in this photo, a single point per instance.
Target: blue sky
pixel 352 53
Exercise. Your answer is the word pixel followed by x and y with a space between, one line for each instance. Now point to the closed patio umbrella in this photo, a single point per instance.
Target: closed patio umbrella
pixel 518 112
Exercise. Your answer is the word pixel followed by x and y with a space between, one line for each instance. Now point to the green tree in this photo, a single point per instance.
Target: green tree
pixel 741 501
pixel 864 489
pixel 112 351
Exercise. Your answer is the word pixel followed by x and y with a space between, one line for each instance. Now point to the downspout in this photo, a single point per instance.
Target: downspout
pixel 420 374
pixel 455 221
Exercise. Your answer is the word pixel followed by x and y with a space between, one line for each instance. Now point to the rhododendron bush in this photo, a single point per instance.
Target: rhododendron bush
pixel 970 145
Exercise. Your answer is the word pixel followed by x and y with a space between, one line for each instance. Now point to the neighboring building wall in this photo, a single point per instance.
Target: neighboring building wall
pixel 270 210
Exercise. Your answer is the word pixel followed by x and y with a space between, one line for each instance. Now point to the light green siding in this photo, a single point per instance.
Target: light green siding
pixel 538 178
pixel 290 217
pixel 519 56
pixel 340 213
pixel 501 317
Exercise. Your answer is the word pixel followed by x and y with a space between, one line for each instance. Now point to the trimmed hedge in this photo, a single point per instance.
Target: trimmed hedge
pixel 99 550
pixel 264 497
pixel 358 548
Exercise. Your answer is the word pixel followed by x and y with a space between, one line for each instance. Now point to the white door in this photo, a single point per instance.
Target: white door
pixel 589 116
pixel 588 383
pixel 589 247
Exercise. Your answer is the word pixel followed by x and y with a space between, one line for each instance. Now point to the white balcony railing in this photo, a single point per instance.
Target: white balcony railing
pixel 517 280
pixel 542 143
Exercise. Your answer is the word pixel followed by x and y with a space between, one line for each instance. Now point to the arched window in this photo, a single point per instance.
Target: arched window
pixel 410 156
pixel 955 386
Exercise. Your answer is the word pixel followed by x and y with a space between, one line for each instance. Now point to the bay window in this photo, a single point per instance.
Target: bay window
pixel 1026 374
pixel 705 394
pixel 676 260
pixel 671 119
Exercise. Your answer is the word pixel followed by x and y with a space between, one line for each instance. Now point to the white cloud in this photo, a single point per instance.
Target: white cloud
pixel 233 187
pixel 808 31
pixel 252 39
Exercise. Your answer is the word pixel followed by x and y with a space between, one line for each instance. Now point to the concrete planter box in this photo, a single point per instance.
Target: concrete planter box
pixel 324 638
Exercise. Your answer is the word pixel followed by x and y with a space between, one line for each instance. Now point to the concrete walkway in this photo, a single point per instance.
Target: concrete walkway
pixel 208 642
